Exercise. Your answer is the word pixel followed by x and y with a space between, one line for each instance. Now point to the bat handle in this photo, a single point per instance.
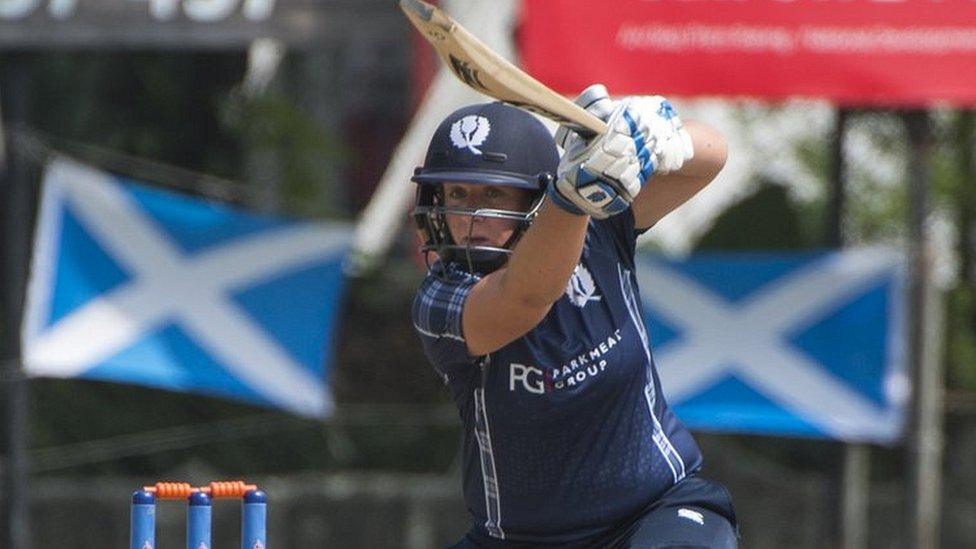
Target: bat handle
pixel 596 100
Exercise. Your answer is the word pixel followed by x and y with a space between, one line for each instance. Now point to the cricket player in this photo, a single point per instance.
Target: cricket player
pixel 530 312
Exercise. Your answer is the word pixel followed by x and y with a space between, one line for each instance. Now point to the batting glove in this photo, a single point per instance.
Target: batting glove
pixel 598 177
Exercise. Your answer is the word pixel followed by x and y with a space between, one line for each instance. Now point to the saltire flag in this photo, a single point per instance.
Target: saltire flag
pixel 806 345
pixel 137 285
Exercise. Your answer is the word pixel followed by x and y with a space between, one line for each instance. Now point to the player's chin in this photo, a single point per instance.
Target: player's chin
pixel 498 240
pixel 485 241
pixel 478 241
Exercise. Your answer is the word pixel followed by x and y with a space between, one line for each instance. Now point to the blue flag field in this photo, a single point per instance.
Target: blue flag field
pixel 137 285
pixel 782 344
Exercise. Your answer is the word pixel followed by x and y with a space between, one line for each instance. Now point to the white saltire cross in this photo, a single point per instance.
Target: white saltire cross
pixel 168 286
pixel 748 339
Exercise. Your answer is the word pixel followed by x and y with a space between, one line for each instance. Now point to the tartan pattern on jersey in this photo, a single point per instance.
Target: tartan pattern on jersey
pixel 440 300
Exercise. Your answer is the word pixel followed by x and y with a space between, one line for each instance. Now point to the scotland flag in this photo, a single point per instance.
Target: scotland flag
pixel 137 285
pixel 803 344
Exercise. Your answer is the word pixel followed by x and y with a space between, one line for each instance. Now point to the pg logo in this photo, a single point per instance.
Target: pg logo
pixel 531 379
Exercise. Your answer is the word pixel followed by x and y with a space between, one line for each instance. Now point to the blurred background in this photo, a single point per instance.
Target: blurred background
pixel 300 121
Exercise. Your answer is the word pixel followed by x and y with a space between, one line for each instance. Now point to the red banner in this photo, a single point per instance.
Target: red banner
pixel 855 52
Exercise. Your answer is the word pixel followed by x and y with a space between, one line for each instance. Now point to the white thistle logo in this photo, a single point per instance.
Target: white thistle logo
pixel 581 289
pixel 470 132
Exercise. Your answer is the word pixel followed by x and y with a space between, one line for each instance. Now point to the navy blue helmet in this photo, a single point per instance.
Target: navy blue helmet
pixel 490 144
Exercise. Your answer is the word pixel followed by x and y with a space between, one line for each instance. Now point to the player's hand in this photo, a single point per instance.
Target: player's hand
pixel 665 136
pixel 599 178
pixel 664 133
pixel 604 181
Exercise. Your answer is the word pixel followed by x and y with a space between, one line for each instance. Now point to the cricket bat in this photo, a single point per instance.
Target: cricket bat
pixel 477 66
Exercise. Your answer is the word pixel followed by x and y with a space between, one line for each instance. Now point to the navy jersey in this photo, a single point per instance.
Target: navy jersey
pixel 566 432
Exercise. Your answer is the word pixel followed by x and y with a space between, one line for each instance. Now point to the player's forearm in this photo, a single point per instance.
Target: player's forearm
pixel 544 258
pixel 665 192
pixel 710 153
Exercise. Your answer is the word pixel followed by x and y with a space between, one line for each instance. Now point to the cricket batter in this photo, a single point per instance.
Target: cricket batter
pixel 532 316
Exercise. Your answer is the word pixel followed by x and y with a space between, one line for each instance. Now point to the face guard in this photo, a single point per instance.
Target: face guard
pixel 430 216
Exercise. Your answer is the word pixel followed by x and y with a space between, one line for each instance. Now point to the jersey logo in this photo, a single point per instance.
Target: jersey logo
pixel 581 289
pixel 470 132
pixel 691 515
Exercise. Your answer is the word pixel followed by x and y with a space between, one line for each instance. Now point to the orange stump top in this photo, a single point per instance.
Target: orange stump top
pixel 223 489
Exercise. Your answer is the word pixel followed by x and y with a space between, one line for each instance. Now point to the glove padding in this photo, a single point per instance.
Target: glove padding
pixel 598 178
pixel 601 177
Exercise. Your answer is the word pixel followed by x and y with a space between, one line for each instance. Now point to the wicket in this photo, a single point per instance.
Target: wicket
pixel 253 512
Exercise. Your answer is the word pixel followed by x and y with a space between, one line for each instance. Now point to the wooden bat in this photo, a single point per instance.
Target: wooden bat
pixel 485 71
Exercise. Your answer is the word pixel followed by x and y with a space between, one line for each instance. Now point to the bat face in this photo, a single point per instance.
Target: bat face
pixel 483 70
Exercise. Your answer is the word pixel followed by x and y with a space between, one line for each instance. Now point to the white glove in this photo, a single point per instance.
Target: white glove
pixel 667 140
pixel 598 178
pixel 602 177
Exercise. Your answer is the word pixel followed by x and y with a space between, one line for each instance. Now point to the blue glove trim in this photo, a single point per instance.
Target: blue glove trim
pixel 635 133
pixel 647 170
pixel 615 207
pixel 562 203
pixel 605 191
pixel 666 110
pixel 643 154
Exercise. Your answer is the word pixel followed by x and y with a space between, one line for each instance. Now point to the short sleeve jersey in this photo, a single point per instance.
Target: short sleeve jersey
pixel 566 432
